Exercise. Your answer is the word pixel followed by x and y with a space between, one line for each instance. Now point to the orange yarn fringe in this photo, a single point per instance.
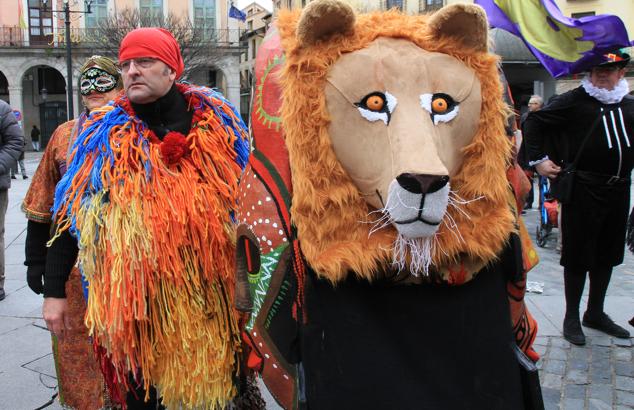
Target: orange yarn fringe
pixel 157 250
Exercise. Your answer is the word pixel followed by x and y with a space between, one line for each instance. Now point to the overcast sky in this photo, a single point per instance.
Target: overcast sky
pixel 267 4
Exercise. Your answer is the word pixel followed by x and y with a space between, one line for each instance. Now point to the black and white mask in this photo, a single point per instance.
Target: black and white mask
pixel 98 80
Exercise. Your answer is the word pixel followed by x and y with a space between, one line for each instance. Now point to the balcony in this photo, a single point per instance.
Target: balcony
pixel 12 37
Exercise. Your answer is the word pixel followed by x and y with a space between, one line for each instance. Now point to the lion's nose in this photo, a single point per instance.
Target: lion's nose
pixel 422 183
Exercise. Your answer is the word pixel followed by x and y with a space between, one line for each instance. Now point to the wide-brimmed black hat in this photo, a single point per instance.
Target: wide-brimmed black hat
pixel 617 59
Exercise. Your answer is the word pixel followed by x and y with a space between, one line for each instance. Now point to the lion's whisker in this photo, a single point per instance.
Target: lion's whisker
pixel 459 208
pixel 398 195
pixel 379 227
pixel 453 228
pixel 458 199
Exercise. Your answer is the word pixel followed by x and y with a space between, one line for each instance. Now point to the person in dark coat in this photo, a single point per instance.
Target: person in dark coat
pixel 14 167
pixel 535 103
pixel 594 220
pixel 35 138
pixel 11 141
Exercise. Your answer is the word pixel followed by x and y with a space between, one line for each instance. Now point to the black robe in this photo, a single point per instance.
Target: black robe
pixel 385 346
pixel 593 224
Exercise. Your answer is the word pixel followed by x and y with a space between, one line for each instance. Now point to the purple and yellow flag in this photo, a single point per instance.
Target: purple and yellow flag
pixel 562 44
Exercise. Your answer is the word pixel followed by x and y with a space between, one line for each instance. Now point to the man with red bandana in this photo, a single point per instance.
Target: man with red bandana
pixel 146 207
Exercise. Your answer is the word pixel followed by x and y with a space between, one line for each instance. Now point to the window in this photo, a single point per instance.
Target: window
pixel 205 16
pixel 433 4
pixel 98 14
pixel 253 48
pixel 582 14
pixel 151 7
pixel 40 22
pixel 391 4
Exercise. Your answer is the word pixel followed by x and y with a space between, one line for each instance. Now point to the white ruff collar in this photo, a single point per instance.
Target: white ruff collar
pixel 606 96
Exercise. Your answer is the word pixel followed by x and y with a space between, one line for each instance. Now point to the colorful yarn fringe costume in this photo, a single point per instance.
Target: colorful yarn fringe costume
pixel 156 245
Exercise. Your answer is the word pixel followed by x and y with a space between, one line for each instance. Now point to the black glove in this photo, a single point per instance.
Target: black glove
pixel 37 233
pixel 35 278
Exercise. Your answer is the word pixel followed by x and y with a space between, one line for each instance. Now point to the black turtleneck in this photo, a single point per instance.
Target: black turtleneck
pixel 168 113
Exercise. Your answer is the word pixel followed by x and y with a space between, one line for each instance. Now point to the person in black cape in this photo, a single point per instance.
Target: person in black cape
pixel 594 220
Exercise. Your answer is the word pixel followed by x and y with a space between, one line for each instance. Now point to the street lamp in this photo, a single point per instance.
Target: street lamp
pixel 69 60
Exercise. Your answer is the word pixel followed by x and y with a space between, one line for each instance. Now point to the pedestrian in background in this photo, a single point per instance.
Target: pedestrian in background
pixel 35 138
pixel 20 162
pixel 535 103
pixel 596 123
pixel 11 142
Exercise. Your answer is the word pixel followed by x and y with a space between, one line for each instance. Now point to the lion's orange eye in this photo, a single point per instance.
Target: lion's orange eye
pixel 375 103
pixel 439 105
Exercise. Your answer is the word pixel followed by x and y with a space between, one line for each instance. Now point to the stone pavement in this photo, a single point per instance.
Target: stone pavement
pixel 598 376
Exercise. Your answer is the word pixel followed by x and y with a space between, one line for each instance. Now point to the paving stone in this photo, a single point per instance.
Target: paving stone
pixel 551 398
pixel 623 342
pixel 625 398
pixel 559 342
pixel 555 366
pixel 541 341
pixel 578 364
pixel 575 391
pixel 572 404
pixel 596 404
pixel 557 353
pixel 624 369
pixel 600 352
pixel 578 352
pixel 622 354
pixel 625 383
pixel 602 392
pixel 600 374
pixel 601 341
pixel 577 377
pixel 551 381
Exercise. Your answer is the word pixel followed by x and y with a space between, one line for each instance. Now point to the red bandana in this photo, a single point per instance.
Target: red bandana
pixel 155 43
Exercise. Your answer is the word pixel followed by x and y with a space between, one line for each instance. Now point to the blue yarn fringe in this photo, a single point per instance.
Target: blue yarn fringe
pixel 93 140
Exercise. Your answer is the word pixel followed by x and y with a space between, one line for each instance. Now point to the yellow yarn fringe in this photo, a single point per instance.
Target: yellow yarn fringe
pixel 158 255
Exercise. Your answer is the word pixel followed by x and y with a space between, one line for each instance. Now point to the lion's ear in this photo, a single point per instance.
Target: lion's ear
pixel 465 23
pixel 322 19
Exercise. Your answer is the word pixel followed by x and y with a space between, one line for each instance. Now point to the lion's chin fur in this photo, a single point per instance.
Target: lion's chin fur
pixel 330 214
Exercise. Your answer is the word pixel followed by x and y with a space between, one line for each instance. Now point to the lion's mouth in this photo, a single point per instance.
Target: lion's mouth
pixel 416 214
pixel 417 219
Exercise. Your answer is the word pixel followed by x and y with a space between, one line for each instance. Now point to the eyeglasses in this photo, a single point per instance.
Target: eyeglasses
pixel 142 63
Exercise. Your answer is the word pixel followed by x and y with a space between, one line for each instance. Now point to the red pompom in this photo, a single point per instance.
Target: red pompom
pixel 174 147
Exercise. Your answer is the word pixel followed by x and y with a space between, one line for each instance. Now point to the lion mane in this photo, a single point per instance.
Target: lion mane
pixel 331 216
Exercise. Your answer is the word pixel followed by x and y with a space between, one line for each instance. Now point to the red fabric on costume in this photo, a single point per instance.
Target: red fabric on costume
pixel 155 43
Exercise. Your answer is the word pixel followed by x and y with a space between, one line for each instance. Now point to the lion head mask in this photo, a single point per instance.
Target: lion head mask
pixel 394 126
